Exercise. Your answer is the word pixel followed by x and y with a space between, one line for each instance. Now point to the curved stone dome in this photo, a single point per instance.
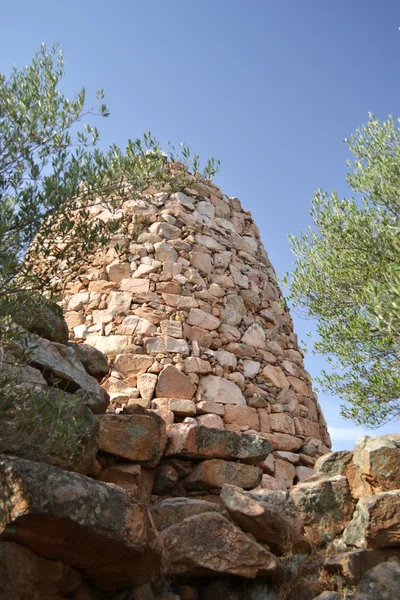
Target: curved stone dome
pixel 192 322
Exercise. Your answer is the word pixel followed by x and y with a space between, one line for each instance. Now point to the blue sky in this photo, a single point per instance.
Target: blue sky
pixel 271 88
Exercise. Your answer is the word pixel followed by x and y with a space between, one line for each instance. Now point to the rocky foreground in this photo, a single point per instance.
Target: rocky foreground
pixel 142 510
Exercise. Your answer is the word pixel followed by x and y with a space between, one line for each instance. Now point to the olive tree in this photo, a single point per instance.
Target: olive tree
pixel 346 277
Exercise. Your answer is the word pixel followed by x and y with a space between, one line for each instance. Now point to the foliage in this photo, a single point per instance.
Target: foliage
pixel 35 421
pixel 386 300
pixel 346 276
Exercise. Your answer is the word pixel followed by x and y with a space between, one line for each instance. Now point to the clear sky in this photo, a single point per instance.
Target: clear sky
pixel 270 87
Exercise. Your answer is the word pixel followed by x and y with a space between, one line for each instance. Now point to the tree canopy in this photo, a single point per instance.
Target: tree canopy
pixel 346 277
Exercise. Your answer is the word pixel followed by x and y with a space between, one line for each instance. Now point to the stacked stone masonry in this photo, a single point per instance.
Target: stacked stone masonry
pixel 192 321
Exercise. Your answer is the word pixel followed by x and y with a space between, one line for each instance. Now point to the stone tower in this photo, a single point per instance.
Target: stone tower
pixel 193 327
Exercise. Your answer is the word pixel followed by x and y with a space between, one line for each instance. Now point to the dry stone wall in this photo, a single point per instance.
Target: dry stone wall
pixel 191 319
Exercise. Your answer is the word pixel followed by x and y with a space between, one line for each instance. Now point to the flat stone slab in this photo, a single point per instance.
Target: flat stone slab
pixel 200 442
pixel 207 544
pixel 138 437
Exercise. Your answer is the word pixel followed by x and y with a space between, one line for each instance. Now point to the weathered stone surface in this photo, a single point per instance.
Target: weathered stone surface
pixel 214 408
pixel 172 383
pixel 226 359
pixel 25 575
pixel 94 362
pixel 126 476
pixel 20 372
pixel 270 483
pixel 117 271
pixel 182 408
pixel 250 368
pixel 119 302
pixel 269 516
pixel 325 506
pixel 68 517
pixel 204 338
pixel 282 423
pixel 353 565
pixel 139 437
pixel 200 443
pixel 334 463
pixel 218 389
pixel 165 480
pixel 45 320
pixel 135 286
pixel 180 302
pixel 211 474
pixel 171 328
pixel 97 404
pixel 61 362
pixel 201 261
pixel 254 336
pixel 242 416
pixel 378 458
pixel 166 344
pixel 283 441
pixel 75 451
pixel 207 544
pixel 165 230
pixel 173 510
pixel 132 364
pixel 213 421
pixel 300 386
pixel 376 521
pixel 110 345
pixel 380 583
pixel 204 320
pixel 165 252
pixel 289 400
pixel 284 472
pixel 303 473
pixel 196 365
pixel 146 384
pixel 275 376
pixel 134 325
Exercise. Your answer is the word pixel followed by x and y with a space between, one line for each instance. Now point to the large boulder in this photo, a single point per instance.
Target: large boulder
pixel 324 505
pixel 60 365
pixel 353 565
pixel 51 426
pixel 25 575
pixel 138 437
pixel 207 544
pixel 94 361
pixel 270 516
pixel 45 319
pixel 378 458
pixel 95 527
pixel 200 442
pixel 380 583
pixel 173 510
pixel 97 404
pixel 376 522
